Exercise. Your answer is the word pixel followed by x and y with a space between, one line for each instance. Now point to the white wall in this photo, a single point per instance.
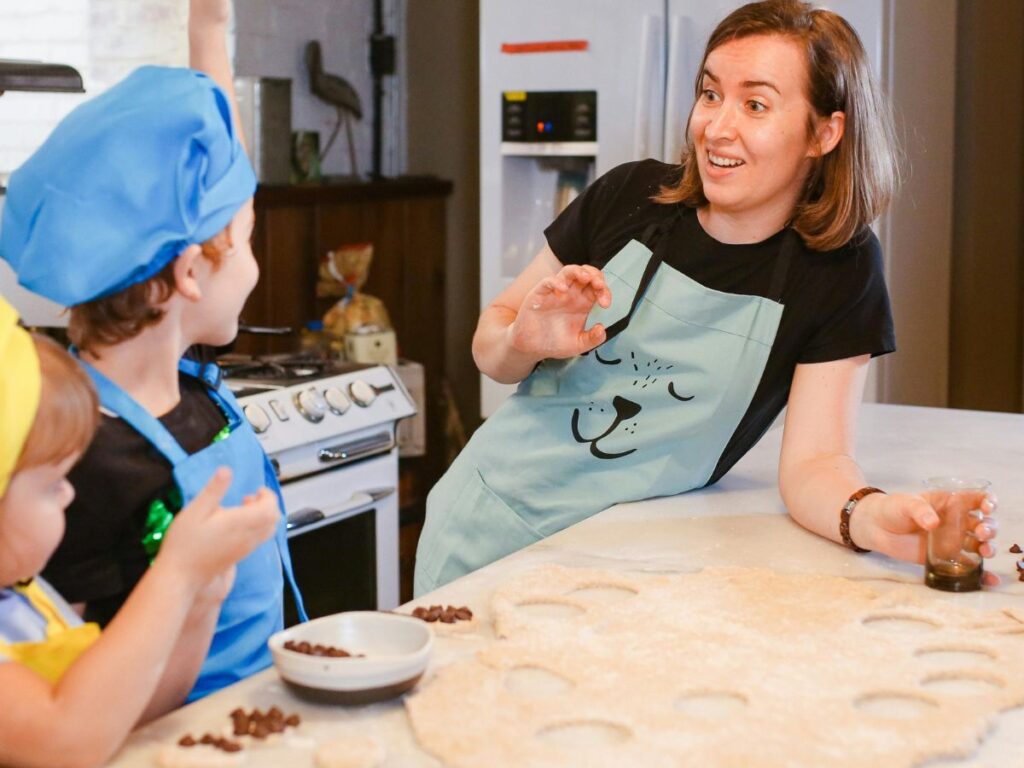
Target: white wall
pixel 102 39
pixel 271 36
pixel 106 39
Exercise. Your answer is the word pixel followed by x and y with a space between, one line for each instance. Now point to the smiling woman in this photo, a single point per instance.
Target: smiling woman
pixel 713 293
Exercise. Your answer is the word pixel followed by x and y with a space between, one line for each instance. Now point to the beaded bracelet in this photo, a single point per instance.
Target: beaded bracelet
pixel 844 517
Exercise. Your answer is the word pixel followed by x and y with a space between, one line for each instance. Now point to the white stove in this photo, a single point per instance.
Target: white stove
pixel 329 430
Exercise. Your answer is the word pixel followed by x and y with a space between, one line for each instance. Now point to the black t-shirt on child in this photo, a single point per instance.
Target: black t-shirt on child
pixel 836 304
pixel 117 483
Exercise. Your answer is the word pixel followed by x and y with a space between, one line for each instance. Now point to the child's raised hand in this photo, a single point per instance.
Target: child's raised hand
pixel 206 540
pixel 205 14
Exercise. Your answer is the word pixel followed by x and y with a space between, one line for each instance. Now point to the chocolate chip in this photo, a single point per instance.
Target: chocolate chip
pixel 419 613
pixel 463 614
pixel 208 738
pixel 317 650
pixel 292 720
pixel 186 741
pixel 230 746
pixel 1015 549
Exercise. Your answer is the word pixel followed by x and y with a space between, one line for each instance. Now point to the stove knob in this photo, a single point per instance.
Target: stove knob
pixel 257 418
pixel 311 405
pixel 336 400
pixel 362 393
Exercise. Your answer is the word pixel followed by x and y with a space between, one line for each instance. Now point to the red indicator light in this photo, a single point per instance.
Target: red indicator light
pixel 540 127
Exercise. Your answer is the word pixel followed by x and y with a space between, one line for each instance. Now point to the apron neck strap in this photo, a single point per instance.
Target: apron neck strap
pixel 652 238
pixel 142 421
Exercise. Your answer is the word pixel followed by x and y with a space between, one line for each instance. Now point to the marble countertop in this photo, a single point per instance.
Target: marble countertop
pixel 740 521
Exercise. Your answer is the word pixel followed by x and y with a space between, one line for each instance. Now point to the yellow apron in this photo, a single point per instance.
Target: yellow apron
pixel 64 643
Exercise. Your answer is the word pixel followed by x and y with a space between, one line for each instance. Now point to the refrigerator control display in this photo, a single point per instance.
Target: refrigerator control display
pixel 539 116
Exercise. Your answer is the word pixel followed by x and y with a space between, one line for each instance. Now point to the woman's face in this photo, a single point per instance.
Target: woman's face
pixel 750 129
pixel 32 519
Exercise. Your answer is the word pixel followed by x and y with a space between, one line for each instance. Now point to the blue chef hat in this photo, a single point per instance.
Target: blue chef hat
pixel 125 183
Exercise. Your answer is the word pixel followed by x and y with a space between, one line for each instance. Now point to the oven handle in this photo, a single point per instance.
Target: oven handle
pixel 357 449
pixel 358 502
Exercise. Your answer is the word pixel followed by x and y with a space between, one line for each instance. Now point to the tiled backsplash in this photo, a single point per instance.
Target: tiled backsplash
pixel 106 39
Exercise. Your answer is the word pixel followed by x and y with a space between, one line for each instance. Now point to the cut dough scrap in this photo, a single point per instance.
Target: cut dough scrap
pixel 350 752
pixel 198 756
pixel 728 667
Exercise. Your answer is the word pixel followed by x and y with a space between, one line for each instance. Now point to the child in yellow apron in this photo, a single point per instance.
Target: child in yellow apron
pixel 39 630
pixel 66 690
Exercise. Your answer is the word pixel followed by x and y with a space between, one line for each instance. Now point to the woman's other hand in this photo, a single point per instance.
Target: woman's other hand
pixel 551 322
pixel 897 525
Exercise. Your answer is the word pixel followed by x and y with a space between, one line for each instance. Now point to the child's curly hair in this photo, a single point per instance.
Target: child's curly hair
pixel 124 315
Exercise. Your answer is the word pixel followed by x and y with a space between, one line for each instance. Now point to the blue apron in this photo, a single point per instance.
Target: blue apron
pixel 253 610
pixel 648 413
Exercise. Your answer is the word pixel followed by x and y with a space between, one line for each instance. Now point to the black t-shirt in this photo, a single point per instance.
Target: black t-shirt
pixel 835 303
pixel 119 478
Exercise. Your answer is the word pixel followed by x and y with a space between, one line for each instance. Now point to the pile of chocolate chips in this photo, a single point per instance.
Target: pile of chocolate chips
pixel 226 745
pixel 320 650
pixel 260 725
pixel 1015 549
pixel 448 615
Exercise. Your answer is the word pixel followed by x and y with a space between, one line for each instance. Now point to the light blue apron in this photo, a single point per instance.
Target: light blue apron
pixel 253 610
pixel 648 413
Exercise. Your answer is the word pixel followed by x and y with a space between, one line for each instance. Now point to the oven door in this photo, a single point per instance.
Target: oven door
pixel 343 537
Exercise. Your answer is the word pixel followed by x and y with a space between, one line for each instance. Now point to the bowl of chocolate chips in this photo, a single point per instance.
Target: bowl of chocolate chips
pixel 356 657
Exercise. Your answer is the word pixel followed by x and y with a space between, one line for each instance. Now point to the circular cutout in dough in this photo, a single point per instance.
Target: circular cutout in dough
pixel 548 610
pixel 536 682
pixel 350 752
pixel 956 655
pixel 894 705
pixel 603 594
pixel 902 623
pixel 962 683
pixel 711 703
pixel 584 734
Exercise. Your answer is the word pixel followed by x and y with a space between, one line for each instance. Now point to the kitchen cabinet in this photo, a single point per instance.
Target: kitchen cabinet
pixel 404 219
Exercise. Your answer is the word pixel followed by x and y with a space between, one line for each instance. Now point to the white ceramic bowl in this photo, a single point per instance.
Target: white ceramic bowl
pixel 396 651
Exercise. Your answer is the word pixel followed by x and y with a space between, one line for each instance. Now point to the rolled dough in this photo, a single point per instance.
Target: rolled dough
pixel 731 667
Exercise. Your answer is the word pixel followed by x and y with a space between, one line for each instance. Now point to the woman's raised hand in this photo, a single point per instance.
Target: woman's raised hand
pixel 552 318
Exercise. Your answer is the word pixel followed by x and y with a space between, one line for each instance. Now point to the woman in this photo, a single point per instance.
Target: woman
pixel 677 309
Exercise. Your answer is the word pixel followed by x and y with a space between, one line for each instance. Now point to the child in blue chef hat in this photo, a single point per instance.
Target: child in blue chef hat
pixel 137 213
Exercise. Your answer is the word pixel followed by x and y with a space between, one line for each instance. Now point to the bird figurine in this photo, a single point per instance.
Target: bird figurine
pixel 339 93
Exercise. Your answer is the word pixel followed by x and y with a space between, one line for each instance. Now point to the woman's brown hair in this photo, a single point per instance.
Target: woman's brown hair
pixel 68 410
pixel 125 314
pixel 852 185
